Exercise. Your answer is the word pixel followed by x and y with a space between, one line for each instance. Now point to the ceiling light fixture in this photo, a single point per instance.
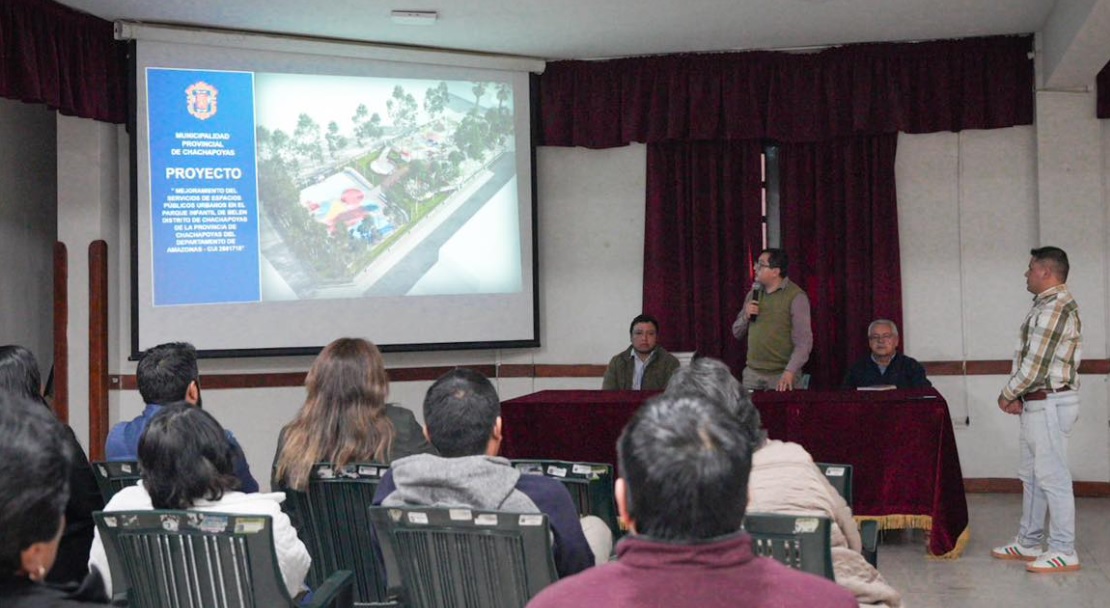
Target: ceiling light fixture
pixel 414 17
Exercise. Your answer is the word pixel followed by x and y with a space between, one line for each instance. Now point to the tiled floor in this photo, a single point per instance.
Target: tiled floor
pixel 977 580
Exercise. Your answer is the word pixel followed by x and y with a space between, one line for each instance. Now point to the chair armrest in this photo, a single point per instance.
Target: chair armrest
pixel 869 534
pixel 336 592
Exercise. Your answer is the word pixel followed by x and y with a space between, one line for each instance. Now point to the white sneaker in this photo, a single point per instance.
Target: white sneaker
pixel 1016 550
pixel 1054 561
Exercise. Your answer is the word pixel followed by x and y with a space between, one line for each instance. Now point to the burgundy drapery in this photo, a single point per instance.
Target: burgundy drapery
pixel 979 83
pixel 839 204
pixel 840 228
pixel 701 235
pixel 68 60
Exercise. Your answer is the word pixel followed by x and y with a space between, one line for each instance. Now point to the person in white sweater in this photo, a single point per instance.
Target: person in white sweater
pixel 784 479
pixel 186 463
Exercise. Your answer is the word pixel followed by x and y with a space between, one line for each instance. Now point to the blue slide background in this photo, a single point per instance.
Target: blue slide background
pixel 205 277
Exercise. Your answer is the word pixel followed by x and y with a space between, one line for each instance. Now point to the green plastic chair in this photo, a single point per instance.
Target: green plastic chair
pixel 113 476
pixel 799 541
pixel 193 559
pixel 590 485
pixel 464 558
pixel 332 520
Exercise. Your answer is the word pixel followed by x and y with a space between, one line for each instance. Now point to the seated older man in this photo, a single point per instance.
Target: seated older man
pixel 784 479
pixel 885 366
pixel 645 365
pixel 684 464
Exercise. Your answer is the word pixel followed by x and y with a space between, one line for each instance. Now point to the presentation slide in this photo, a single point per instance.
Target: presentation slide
pixel 285 201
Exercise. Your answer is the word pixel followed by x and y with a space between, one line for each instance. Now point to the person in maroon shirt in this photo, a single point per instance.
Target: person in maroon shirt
pixel 684 465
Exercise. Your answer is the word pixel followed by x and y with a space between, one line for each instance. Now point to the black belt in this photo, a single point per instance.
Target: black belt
pixel 1042 394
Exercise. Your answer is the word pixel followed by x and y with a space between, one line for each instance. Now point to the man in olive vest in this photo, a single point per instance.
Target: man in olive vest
pixel 775 317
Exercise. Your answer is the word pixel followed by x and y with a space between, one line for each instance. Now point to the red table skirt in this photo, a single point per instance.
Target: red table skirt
pixel 900 444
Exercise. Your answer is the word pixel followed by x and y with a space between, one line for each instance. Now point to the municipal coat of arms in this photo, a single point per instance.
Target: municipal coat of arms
pixel 201 98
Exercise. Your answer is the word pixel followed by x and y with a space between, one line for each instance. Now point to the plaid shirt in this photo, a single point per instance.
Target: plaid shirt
pixel 1048 352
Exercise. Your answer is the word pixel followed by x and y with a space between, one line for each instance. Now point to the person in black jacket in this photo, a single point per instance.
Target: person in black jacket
pixel 885 366
pixel 19 374
pixel 35 464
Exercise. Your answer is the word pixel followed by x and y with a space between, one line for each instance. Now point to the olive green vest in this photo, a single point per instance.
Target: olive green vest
pixel 769 340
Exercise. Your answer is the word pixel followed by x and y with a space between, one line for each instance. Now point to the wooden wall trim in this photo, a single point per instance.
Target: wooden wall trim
pixel 99 383
pixel 1002 485
pixel 61 332
pixel 541 370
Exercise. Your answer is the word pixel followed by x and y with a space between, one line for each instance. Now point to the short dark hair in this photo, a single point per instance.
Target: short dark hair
pixel 1055 257
pixel 643 319
pixel 35 463
pixel 19 372
pixel 777 258
pixel 184 456
pixel 685 462
pixel 460 411
pixel 713 380
pixel 165 372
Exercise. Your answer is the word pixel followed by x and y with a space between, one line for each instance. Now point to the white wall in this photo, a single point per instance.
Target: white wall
pixel 28 215
pixel 971 205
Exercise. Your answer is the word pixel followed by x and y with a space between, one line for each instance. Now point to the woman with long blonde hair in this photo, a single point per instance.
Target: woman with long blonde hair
pixel 345 417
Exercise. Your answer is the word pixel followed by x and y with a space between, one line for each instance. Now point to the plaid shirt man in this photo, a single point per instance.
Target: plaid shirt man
pixel 1048 353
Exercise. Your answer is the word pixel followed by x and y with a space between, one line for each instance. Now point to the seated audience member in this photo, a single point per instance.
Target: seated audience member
pixel 19 374
pixel 168 373
pixel 186 463
pixel 684 465
pixel 345 418
pixel 885 366
pixel 462 418
pixel 784 479
pixel 642 366
pixel 34 490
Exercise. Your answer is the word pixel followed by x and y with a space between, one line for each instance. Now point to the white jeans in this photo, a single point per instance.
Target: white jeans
pixel 1045 478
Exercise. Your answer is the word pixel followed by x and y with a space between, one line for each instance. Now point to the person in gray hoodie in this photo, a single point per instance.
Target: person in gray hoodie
pixel 462 419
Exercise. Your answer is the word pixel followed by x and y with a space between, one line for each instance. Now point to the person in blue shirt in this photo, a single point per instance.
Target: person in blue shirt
pixel 168 373
pixel 885 366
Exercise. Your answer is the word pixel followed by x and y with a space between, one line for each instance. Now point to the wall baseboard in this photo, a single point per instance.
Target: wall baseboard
pixel 1004 485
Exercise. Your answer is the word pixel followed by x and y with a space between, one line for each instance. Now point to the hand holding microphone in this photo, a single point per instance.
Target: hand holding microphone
pixel 753 304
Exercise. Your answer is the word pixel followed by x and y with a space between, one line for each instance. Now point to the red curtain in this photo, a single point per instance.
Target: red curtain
pixel 977 83
pixel 840 228
pixel 68 60
pixel 702 233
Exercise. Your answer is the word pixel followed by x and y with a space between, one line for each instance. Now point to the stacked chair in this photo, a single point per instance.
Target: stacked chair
pixel 187 559
pixel 464 558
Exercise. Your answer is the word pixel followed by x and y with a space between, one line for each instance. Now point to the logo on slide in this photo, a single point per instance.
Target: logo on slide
pixel 201 98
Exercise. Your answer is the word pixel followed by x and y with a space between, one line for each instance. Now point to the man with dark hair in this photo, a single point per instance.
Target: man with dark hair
pixel 775 318
pixel 462 419
pixel 165 374
pixel 885 366
pixel 684 465
pixel 1044 391
pixel 644 366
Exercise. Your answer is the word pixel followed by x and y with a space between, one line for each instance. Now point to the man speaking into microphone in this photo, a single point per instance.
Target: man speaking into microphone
pixel 775 318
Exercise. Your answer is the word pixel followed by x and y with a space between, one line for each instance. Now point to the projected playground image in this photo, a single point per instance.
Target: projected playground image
pixel 385 187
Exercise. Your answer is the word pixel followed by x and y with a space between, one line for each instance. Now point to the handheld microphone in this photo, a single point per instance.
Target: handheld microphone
pixel 757 293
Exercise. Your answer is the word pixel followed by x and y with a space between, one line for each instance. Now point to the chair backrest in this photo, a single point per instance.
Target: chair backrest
pixel 590 485
pixel 172 559
pixel 840 476
pixel 464 558
pixel 799 541
pixel 111 477
pixel 332 519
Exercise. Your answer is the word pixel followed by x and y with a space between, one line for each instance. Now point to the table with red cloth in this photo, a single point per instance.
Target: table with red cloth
pixel 906 469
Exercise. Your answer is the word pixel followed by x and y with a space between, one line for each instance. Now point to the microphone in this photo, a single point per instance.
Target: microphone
pixel 757 293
